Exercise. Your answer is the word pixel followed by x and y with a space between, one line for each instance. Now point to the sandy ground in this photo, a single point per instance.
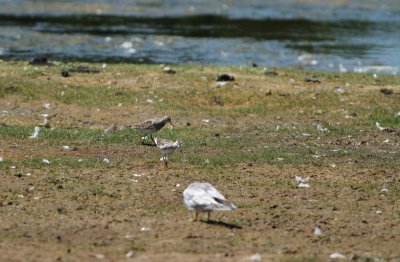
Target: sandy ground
pixel 132 208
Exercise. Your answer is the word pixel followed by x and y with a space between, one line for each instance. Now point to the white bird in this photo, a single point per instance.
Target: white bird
pixel 204 197
pixel 167 148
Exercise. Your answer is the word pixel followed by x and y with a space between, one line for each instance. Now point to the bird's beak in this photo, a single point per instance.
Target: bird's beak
pixel 172 124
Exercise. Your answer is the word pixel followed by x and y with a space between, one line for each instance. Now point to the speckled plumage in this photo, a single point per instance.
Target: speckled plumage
pixel 150 126
pixel 167 147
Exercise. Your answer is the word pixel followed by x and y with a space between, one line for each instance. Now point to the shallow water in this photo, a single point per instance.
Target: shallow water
pixel 334 35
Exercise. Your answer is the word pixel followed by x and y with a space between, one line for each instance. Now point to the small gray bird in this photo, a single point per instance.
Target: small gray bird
pixel 204 197
pixel 150 126
pixel 167 148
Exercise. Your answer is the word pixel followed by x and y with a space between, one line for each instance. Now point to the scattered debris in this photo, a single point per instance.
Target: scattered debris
pixel 219 84
pixel 386 141
pixel 106 161
pixel 339 90
pixel 45 161
pixel 144 229
pixel 169 70
pixel 397 114
pixel 1 159
pixel 99 256
pixel 303 185
pixel 317 232
pixel 206 120
pixel 378 125
pixel 47 106
pixel 70 148
pixel 35 132
pixel 378 212
pixel 337 255
pixel 150 101
pixel 302 180
pixel 386 91
pixel 129 254
pixel 321 129
pixel 225 78
pixel 255 257
pixel 384 190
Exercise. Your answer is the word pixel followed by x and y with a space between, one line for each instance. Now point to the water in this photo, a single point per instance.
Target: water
pixel 334 35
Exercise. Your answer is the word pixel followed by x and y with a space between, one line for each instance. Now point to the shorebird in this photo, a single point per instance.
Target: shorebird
pixel 167 148
pixel 204 197
pixel 150 126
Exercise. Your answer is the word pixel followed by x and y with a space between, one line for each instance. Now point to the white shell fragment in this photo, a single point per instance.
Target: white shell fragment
pixel 255 257
pixel 320 128
pixel 302 180
pixel 129 254
pixel 144 229
pixel 106 161
pixel 379 127
pixel 45 161
pixel 317 232
pixel 35 133
pixel 301 185
pixel 337 255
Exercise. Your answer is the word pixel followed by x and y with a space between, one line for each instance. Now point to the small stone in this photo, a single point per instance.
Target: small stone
pixel 65 73
pixel 386 91
pixel 225 78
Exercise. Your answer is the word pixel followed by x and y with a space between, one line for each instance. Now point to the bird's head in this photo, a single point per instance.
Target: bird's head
pixel 167 119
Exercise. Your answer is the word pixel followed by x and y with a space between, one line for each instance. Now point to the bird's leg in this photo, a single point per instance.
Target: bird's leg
pixel 208 215
pixel 143 139
pixel 152 139
pixel 197 216
pixel 165 163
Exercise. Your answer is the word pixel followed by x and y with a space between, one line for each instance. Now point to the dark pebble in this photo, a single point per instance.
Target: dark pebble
pixel 387 91
pixel 65 73
pixel 40 60
pixel 225 78
pixel 312 80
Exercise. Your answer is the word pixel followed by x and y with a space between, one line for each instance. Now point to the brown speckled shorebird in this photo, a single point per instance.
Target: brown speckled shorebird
pixel 150 126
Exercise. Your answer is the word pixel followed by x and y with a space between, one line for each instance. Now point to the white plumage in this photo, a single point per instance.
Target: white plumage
pixel 204 197
pixel 167 148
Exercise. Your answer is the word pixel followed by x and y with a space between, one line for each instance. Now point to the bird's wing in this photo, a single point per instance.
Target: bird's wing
pixel 165 144
pixel 206 197
pixel 144 125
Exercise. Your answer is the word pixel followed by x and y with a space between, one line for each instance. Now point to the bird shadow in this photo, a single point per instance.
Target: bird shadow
pixel 222 224
pixel 148 144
